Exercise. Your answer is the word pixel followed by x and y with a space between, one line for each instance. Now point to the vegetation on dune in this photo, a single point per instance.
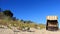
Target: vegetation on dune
pixel 7 19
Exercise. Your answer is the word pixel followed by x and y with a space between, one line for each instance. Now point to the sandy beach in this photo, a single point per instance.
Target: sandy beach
pixel 33 31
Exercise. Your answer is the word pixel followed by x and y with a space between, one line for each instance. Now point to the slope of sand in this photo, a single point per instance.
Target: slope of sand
pixel 33 31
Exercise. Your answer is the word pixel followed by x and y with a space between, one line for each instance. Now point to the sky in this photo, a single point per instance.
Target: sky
pixel 34 10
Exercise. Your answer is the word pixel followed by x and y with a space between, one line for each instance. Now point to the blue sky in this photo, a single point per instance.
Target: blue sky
pixel 34 10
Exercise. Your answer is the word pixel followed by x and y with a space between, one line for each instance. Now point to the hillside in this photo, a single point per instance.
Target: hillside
pixel 7 19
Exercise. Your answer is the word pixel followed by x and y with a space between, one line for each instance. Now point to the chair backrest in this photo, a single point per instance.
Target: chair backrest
pixel 52 18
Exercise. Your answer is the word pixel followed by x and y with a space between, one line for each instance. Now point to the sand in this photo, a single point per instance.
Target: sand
pixel 33 31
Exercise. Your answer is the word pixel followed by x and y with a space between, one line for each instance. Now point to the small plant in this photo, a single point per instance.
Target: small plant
pixel 9 27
